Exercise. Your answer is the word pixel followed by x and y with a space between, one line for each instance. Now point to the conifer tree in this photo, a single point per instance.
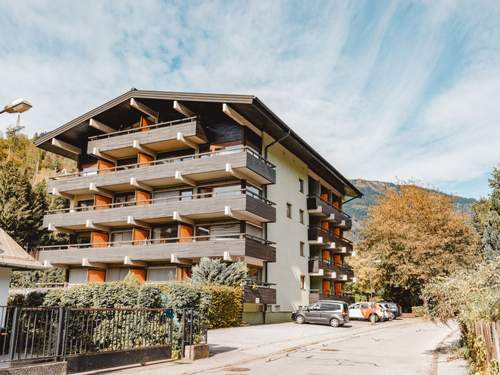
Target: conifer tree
pixel 490 236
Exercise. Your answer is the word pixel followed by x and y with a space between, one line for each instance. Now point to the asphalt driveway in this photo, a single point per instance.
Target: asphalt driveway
pixel 406 346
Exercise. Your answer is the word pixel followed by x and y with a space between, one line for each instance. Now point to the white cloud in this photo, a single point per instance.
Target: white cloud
pixel 356 81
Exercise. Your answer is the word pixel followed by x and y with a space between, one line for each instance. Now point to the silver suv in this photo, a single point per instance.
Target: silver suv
pixel 334 313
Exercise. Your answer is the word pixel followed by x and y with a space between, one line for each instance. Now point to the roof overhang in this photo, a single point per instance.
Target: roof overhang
pixel 247 105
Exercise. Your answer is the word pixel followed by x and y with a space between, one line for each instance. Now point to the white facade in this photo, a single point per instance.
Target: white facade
pixel 4 285
pixel 288 233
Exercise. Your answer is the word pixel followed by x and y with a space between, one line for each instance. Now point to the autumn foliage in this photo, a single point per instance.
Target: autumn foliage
pixel 410 236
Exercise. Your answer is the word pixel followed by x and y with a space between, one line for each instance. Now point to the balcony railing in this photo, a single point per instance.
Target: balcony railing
pixel 228 246
pixel 176 159
pixel 320 236
pixel 261 293
pixel 235 193
pixel 140 129
pixel 158 241
pixel 317 263
pixel 315 295
pixel 317 206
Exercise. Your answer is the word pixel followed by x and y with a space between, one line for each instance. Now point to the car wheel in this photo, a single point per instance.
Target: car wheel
pixel 373 318
pixel 300 319
pixel 334 322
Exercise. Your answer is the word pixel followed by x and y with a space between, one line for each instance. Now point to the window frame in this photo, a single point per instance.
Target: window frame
pixel 288 210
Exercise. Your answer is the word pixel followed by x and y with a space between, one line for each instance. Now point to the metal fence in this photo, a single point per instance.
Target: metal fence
pixel 57 333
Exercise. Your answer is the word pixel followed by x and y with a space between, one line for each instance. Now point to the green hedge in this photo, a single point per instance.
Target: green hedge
pixel 221 304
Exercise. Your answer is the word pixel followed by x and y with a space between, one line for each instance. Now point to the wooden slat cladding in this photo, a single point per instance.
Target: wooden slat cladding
pixel 265 295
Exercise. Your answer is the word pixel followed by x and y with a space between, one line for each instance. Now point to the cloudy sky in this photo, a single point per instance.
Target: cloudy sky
pixel 390 91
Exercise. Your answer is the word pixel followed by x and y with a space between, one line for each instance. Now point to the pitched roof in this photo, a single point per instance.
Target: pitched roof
pixel 248 105
pixel 12 255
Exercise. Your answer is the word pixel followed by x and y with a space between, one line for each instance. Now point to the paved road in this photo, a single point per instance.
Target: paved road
pixel 399 347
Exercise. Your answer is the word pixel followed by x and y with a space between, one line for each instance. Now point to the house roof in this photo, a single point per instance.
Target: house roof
pixel 12 255
pixel 248 105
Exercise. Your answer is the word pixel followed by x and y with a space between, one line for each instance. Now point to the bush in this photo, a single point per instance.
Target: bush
pixel 225 308
pixel 30 299
pixel 418 310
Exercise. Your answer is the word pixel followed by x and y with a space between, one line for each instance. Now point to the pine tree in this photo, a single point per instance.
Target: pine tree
pixel 213 271
pixel 490 239
pixel 16 199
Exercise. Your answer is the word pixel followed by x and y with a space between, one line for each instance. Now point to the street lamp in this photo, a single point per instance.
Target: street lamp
pixel 17 106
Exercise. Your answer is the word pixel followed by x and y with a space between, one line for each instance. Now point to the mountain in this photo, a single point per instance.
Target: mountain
pixel 372 190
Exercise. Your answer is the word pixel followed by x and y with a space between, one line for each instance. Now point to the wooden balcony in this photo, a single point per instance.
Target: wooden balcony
pixel 321 237
pixel 159 250
pixel 328 269
pixel 243 163
pixel 315 296
pixel 318 207
pixel 165 136
pixel 241 205
pixel 259 294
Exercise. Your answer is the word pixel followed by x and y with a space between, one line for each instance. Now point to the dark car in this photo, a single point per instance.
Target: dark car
pixel 394 308
pixel 334 313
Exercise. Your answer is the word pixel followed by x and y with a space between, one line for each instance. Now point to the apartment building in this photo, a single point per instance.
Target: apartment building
pixel 166 178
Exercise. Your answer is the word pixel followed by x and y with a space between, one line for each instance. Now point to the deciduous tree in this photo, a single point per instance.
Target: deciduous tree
pixel 409 237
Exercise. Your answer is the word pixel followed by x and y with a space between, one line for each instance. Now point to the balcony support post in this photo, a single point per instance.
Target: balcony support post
pixel 56 191
pixel 180 137
pixel 93 123
pixel 137 223
pixel 87 263
pixel 102 155
pixel 90 225
pixel 140 185
pixel 232 172
pixel 239 118
pixel 182 109
pixel 93 188
pixel 179 177
pixel 129 262
pixel 143 149
pixel 66 146
pixel 152 114
pixel 177 217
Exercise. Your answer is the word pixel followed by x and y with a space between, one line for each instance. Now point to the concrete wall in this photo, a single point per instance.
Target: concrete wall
pixel 4 285
pixel 287 233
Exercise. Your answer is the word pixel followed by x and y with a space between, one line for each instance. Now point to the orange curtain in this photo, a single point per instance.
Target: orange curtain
pixel 185 233
pixel 101 201
pixel 140 274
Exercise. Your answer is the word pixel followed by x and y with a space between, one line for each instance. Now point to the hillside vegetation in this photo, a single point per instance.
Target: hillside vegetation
pixel 373 190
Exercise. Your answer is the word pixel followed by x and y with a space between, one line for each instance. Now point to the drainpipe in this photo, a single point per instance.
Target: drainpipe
pixel 276 141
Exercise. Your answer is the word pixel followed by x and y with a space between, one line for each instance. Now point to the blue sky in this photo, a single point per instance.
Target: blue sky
pixel 390 91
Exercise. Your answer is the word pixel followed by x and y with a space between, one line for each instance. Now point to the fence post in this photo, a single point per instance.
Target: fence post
pixel 13 334
pixel 60 334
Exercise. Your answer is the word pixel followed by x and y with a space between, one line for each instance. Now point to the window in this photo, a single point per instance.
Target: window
pixel 116 274
pixel 124 199
pixel 301 185
pixel 121 238
pixel 85 205
pixel 167 233
pixel 302 282
pixel 77 276
pixel 186 195
pixel 302 249
pixel 301 216
pixel 330 307
pixel 161 274
pixel 289 210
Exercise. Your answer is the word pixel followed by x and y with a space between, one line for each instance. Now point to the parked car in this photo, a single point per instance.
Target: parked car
pixel 367 311
pixel 388 314
pixel 329 312
pixel 395 308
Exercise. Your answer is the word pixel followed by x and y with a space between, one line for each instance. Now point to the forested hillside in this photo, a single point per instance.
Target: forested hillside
pixel 372 190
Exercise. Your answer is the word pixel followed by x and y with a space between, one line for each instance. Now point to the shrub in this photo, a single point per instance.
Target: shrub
pixel 213 271
pixel 225 308
pixel 418 310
